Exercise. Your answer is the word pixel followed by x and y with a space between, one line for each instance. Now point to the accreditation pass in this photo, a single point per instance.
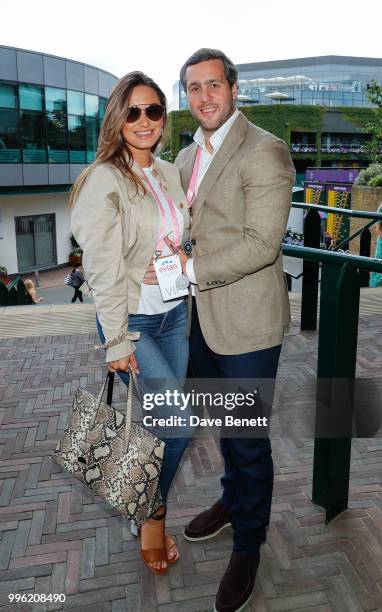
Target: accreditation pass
pixel 167 270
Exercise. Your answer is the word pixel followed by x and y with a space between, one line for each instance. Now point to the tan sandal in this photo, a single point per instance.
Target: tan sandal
pixel 150 555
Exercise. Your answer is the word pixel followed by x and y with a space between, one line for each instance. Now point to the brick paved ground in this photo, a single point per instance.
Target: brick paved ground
pixel 55 537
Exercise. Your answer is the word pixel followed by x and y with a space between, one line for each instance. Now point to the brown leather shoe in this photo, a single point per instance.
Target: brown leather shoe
pixel 236 587
pixel 208 523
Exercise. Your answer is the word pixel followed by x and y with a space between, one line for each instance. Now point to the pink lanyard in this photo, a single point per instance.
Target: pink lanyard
pixel 192 186
pixel 175 224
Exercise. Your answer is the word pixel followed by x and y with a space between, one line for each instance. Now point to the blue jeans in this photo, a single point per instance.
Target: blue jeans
pixel 162 353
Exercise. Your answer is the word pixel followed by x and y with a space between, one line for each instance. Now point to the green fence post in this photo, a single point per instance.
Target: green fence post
pixel 22 295
pixel 3 295
pixel 338 332
pixel 309 294
pixel 12 294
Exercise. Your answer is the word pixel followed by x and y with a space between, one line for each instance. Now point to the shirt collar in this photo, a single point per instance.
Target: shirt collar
pixel 217 137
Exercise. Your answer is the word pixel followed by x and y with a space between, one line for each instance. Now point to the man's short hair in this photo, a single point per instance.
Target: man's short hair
pixel 203 55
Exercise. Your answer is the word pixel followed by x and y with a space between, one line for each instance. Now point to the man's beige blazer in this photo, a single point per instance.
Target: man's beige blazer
pixel 239 220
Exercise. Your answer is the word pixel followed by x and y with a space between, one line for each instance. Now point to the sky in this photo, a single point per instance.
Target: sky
pixel 157 36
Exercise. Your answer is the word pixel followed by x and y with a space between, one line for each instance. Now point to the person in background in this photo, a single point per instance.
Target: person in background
pixel 376 277
pixel 77 279
pixel 327 240
pixel 29 286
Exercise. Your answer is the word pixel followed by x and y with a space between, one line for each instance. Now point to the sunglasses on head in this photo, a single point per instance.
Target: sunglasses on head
pixel 154 112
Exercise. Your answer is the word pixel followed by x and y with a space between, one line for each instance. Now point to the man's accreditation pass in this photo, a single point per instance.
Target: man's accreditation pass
pixel 168 269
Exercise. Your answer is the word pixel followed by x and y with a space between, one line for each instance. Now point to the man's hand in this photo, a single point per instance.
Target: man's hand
pixel 179 251
pixel 150 277
pixel 122 365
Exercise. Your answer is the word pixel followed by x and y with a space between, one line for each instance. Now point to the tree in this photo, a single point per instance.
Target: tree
pixel 374 127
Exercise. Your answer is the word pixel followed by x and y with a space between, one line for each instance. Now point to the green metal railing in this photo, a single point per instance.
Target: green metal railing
pixel 337 351
pixel 310 274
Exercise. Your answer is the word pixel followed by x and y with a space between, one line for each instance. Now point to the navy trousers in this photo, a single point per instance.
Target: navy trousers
pixel 248 477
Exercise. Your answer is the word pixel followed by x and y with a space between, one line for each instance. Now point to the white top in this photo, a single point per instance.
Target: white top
pixel 151 301
pixel 216 141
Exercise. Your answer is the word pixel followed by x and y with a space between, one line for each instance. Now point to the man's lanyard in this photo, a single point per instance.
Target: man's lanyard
pixel 175 225
pixel 194 178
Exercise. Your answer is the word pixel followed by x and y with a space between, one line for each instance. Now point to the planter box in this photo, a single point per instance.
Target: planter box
pixel 368 199
pixel 75 260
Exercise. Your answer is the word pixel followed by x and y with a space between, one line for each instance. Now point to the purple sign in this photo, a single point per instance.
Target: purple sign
pixel 337 175
pixel 314 186
pixel 339 187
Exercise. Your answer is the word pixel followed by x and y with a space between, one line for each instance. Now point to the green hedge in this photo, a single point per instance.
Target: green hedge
pixel 280 120
pixel 359 116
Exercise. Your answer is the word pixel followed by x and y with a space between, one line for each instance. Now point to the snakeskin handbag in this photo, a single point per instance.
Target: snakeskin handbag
pixel 117 458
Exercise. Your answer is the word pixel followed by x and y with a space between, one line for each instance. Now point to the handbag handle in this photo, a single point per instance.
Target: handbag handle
pixel 110 385
pixel 110 382
pixel 132 381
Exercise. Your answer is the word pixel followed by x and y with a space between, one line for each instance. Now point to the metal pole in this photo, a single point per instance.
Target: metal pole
pixel 309 297
pixel 364 250
pixel 337 354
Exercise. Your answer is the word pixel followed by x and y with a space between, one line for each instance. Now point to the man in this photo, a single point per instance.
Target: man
pixel 239 181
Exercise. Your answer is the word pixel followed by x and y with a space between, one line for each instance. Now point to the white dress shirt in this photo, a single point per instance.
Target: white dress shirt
pixel 216 141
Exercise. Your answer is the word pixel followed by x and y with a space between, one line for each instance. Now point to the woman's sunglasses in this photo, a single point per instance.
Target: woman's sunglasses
pixel 154 112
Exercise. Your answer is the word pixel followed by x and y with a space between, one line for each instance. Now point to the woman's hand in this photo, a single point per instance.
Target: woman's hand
pixel 150 277
pixel 122 365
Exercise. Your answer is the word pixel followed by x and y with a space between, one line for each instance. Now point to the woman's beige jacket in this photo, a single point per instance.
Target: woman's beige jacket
pixel 118 232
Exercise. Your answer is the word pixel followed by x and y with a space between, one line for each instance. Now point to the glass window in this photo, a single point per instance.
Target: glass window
pixel 76 103
pixel 35 241
pixel 307 94
pixel 56 138
pixel 91 138
pixel 55 99
pixel 9 142
pixel 8 96
pixel 33 137
pixel 102 108
pixel 77 140
pixel 91 105
pixel 31 97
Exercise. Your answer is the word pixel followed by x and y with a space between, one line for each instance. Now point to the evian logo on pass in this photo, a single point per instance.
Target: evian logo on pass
pixel 168 266
pixel 168 269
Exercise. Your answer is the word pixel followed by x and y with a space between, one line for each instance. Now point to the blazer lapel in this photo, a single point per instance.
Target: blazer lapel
pixel 188 166
pixel 232 141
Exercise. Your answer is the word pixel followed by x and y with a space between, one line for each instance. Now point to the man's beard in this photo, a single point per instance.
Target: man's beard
pixel 219 122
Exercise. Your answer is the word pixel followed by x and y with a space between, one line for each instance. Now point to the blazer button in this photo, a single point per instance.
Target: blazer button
pixel 181 205
pixel 193 241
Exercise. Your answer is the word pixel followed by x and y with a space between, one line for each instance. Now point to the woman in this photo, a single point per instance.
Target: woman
pixel 125 207
pixel 30 288
pixel 376 277
pixel 76 280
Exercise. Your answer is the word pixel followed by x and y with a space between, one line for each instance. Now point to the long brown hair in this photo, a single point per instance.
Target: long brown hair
pixel 111 145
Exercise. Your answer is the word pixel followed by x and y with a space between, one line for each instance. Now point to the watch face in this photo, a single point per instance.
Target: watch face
pixel 187 246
